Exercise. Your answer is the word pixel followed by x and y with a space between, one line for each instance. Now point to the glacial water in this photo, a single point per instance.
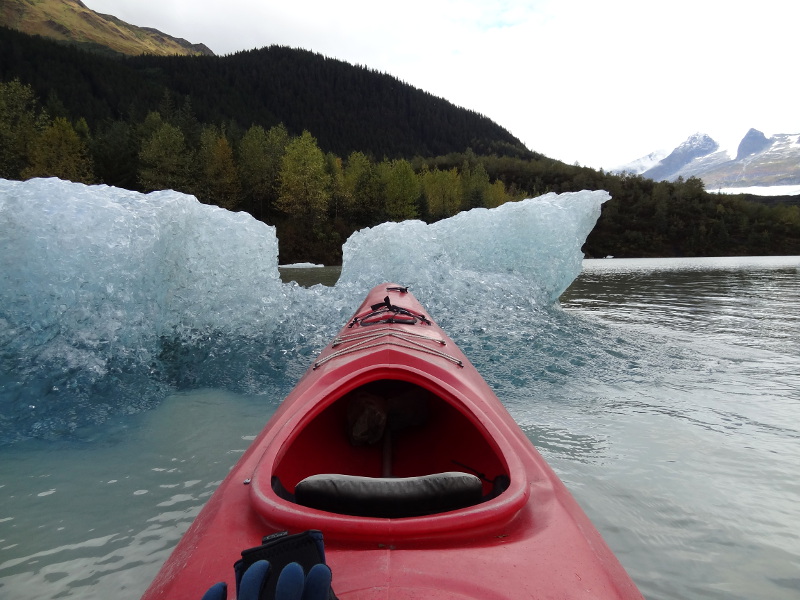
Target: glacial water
pixel 146 339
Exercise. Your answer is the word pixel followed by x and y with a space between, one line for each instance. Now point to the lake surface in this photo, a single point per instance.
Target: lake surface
pixel 696 482
pixel 665 393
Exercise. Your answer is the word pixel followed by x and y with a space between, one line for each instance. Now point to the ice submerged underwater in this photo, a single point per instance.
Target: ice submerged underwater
pixel 111 299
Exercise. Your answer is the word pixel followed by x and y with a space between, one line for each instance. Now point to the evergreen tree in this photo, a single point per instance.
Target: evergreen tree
pixel 334 168
pixel 115 155
pixel 277 141
pixel 167 108
pixel 475 182
pixel 218 180
pixel 184 119
pixel 20 122
pixel 254 175
pixel 58 151
pixel 363 191
pixel 164 159
pixel 260 156
pixel 661 199
pixel 151 123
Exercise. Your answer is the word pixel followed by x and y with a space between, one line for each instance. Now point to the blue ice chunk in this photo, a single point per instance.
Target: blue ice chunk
pixel 533 246
pixel 109 299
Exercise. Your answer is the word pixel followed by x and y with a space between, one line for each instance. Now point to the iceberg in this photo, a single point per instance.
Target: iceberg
pixel 533 245
pixel 111 299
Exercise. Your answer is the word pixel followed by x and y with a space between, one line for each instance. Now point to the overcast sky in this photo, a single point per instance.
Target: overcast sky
pixel 600 83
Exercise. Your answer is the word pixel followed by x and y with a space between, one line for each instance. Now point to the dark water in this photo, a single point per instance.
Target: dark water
pixel 327 276
pixel 666 394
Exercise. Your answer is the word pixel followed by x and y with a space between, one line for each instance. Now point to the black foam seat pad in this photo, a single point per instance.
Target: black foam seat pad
pixel 389 497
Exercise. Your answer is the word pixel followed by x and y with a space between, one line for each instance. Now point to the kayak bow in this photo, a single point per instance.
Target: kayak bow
pixel 395 448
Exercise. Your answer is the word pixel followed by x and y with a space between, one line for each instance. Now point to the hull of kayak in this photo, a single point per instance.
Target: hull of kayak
pixel 390 408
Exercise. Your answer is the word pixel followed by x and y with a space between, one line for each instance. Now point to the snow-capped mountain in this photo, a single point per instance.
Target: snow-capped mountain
pixel 759 161
pixel 640 165
pixel 696 148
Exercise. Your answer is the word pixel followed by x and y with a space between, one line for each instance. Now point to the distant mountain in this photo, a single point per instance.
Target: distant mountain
pixel 72 21
pixel 760 162
pixel 753 142
pixel 696 147
pixel 640 165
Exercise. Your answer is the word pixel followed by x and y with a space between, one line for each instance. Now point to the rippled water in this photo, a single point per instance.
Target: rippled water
pixel 687 453
pixel 666 394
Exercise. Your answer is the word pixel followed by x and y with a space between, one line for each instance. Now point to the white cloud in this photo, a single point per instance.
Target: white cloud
pixel 600 83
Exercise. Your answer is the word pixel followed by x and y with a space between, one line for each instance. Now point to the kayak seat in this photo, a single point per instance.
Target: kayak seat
pixel 389 497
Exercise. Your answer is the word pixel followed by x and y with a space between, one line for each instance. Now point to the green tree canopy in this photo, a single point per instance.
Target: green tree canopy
pixel 218 180
pixel 363 189
pixel 164 159
pixel 443 192
pixel 402 189
pixel 260 156
pixel 20 122
pixel 475 184
pixel 496 195
pixel 335 168
pixel 58 151
pixel 304 181
pixel 254 170
pixel 115 152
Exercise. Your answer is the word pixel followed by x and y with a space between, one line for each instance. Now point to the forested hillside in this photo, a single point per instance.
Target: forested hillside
pixel 346 107
pixel 239 132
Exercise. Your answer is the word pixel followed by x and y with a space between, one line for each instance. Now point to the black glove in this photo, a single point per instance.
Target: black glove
pixel 293 583
pixel 284 567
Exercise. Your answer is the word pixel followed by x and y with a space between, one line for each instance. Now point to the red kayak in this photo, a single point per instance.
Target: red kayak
pixel 424 487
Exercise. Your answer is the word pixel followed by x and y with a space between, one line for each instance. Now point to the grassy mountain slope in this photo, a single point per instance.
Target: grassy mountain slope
pixel 72 21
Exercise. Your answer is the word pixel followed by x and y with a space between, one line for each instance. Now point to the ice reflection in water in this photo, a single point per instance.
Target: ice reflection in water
pixel 115 512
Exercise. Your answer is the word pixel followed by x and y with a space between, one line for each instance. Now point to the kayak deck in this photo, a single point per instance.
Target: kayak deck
pixel 423 485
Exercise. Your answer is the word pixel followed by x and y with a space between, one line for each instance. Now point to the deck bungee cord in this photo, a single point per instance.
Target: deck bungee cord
pixel 373 340
pixel 386 312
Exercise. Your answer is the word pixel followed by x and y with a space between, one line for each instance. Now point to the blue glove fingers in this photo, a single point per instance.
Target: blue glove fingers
pixel 290 583
pixel 218 591
pixel 252 580
pixel 318 583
